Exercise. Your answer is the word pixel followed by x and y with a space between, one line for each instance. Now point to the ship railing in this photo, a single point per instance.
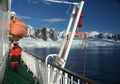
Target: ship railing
pixel 50 73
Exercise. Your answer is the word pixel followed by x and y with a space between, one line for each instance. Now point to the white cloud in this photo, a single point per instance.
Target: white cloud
pixel 26 17
pixel 34 1
pixel 54 20
pixel 38 1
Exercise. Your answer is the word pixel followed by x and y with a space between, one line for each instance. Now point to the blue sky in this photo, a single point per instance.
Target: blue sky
pixel 99 15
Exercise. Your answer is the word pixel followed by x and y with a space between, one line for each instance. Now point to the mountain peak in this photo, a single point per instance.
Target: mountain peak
pixel 45 33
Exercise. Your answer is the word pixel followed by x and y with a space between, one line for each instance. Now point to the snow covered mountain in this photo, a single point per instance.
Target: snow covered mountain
pixel 44 33
pixel 47 37
pixel 96 35
pixel 47 33
pixel 101 35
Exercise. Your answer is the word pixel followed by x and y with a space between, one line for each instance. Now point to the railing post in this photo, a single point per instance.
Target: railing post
pixel 78 81
pixel 66 80
pixel 71 79
pixel 48 74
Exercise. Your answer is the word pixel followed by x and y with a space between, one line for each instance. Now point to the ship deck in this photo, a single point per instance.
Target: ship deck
pixel 22 76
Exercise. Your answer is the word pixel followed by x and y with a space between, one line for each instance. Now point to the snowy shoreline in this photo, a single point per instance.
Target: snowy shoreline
pixel 39 43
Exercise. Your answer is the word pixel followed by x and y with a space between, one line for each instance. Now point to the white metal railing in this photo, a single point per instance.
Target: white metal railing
pixel 51 74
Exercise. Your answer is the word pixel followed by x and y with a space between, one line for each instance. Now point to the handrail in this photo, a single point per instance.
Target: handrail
pixel 82 78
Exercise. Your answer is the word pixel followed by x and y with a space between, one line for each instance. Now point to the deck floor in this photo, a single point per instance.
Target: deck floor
pixel 22 76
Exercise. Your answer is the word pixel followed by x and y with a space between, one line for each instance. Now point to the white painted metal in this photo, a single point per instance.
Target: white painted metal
pixel 66 78
pixel 67 31
pixel 80 6
pixel 50 55
pixel 4 39
pixel 47 74
pixel 63 54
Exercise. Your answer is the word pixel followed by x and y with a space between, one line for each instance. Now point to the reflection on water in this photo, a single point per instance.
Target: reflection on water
pixel 102 63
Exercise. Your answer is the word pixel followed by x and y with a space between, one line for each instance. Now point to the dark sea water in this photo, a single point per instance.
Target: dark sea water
pixel 102 63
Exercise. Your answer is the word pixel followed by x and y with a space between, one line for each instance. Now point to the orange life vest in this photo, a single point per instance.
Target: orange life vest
pixel 15 51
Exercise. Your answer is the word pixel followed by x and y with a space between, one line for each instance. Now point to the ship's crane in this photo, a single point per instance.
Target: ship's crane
pixel 61 58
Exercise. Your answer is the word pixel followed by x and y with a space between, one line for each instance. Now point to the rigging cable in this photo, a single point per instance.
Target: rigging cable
pixel 67 12
pixel 84 70
pixel 75 59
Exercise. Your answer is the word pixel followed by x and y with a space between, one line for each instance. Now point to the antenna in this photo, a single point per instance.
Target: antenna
pixel 65 2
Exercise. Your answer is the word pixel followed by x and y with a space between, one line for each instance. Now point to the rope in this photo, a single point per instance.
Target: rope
pixel 84 68
pixel 84 57
pixel 75 59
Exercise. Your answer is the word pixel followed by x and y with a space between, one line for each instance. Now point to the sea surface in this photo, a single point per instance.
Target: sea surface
pixel 102 63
